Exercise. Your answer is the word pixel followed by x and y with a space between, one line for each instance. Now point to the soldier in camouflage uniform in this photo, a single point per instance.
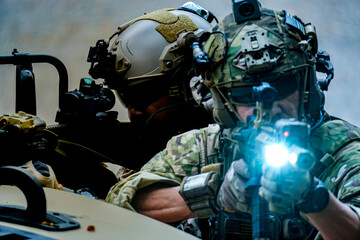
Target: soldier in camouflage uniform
pixel 150 74
pixel 186 180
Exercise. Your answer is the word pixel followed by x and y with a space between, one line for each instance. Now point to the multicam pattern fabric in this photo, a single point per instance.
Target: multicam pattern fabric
pixel 342 174
pixel 272 25
pixel 186 154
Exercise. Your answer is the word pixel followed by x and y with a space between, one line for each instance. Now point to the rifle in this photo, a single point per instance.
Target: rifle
pixel 277 144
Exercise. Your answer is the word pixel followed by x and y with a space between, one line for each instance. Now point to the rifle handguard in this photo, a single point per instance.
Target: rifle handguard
pixel 199 192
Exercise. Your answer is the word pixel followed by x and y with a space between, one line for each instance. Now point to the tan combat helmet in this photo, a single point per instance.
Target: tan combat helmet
pixel 275 48
pixel 145 62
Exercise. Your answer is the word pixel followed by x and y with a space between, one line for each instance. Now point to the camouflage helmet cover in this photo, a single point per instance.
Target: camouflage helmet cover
pixel 259 50
pixel 274 47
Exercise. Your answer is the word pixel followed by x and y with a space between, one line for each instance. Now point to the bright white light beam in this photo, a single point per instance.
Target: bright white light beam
pixel 276 155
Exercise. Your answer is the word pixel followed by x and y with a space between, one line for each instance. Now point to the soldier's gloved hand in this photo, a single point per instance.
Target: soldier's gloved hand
pixel 284 186
pixel 231 194
pixel 43 173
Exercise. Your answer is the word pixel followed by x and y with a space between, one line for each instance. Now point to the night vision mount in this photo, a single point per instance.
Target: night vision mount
pixel 102 61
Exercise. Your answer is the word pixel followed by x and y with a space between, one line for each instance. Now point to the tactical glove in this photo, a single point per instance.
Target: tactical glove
pixel 231 195
pixel 43 173
pixel 285 186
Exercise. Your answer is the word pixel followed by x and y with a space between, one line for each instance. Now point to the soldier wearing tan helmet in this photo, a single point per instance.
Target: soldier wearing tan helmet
pixel 203 173
pixel 150 73
pixel 144 64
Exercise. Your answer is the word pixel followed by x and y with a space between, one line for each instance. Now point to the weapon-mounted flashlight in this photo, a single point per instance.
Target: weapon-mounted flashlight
pixel 277 155
pixel 290 145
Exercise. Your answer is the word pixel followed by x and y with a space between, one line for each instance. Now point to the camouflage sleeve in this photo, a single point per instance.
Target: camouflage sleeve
pixel 343 176
pixel 122 193
pixel 183 156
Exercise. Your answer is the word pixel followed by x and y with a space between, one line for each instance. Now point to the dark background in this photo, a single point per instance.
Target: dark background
pixel 66 29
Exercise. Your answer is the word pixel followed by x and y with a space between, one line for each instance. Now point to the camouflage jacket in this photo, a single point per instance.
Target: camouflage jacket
pixel 335 143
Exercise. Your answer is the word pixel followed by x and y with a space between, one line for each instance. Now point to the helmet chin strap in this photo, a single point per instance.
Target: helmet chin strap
pixel 322 113
pixel 312 105
pixel 304 94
